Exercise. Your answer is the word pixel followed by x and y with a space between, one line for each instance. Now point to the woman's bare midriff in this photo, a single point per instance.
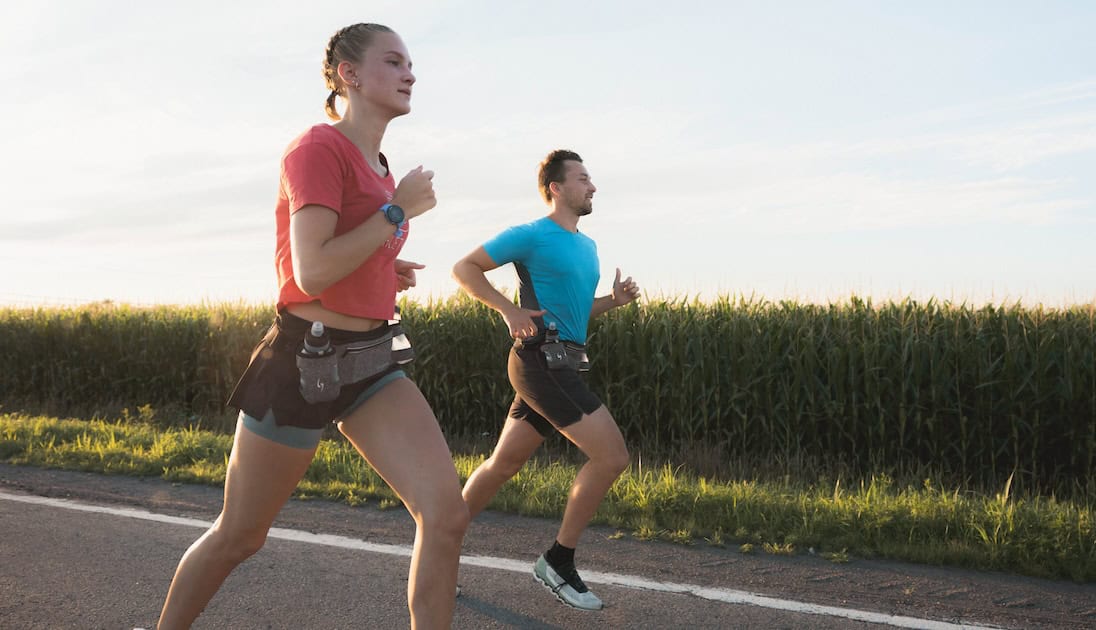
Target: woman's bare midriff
pixel 314 311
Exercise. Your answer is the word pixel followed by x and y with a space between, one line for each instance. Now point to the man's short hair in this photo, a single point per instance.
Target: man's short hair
pixel 553 169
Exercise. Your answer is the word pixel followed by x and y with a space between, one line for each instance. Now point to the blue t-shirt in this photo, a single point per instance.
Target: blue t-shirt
pixel 558 271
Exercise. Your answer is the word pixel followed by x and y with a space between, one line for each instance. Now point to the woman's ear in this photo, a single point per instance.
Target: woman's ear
pixel 349 74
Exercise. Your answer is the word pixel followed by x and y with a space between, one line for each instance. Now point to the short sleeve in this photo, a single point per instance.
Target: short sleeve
pixel 312 174
pixel 513 244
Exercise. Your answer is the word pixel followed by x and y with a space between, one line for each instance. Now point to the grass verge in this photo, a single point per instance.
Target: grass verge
pixel 874 517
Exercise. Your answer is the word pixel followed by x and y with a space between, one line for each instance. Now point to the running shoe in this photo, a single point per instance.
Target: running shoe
pixel 567 586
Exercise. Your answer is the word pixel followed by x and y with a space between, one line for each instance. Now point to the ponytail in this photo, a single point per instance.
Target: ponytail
pixel 329 106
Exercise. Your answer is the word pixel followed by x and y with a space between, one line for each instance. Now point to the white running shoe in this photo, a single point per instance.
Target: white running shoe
pixel 568 588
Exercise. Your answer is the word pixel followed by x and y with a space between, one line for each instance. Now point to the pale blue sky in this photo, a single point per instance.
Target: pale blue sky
pixel 800 150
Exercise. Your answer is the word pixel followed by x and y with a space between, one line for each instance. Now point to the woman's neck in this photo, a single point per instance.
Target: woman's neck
pixel 366 133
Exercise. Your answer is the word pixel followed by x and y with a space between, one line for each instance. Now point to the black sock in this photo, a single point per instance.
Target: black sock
pixel 559 556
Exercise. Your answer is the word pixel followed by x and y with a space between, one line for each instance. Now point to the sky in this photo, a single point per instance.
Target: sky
pixel 782 150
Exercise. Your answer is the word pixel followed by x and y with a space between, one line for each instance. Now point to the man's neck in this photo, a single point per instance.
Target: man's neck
pixel 565 217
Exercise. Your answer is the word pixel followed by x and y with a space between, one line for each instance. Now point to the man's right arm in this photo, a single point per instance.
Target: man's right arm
pixel 470 271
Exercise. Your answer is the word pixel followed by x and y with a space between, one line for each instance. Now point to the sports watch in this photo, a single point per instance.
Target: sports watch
pixel 394 215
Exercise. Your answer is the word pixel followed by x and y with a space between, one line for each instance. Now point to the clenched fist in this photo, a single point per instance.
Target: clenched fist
pixel 415 192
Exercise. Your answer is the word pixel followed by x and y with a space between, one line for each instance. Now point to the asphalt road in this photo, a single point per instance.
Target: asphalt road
pixel 81 550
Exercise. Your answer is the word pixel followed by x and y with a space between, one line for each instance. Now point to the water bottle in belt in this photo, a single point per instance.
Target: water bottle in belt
pixel 319 367
pixel 555 354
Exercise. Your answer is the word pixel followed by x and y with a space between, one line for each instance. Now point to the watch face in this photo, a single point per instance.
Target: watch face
pixel 394 214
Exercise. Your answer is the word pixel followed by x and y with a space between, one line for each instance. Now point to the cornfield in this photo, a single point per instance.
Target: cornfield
pixel 978 393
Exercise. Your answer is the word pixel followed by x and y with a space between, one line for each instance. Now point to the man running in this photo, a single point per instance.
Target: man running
pixel 558 272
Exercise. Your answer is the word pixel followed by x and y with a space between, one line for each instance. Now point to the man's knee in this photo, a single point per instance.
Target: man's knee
pixel 605 445
pixel 617 460
pixel 503 466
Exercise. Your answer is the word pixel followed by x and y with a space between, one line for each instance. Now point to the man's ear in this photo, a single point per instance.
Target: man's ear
pixel 553 188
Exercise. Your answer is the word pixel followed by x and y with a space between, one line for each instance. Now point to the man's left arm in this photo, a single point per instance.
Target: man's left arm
pixel 624 291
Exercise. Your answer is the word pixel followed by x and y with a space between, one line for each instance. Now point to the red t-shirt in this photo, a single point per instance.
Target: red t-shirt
pixel 323 167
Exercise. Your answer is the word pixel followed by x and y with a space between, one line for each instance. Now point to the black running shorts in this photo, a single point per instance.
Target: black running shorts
pixel 547 399
pixel 271 381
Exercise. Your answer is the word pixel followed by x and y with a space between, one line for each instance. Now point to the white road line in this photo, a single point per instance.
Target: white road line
pixel 726 596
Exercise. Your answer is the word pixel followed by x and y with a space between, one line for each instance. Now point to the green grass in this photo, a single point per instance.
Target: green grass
pixel 837 520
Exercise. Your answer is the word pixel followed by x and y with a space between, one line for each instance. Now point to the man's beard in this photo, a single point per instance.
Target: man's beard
pixel 585 210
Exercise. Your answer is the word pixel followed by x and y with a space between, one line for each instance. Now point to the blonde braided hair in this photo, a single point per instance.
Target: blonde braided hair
pixel 347 44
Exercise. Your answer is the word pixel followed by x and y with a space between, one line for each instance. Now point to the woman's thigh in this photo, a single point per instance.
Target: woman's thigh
pixel 262 475
pixel 397 433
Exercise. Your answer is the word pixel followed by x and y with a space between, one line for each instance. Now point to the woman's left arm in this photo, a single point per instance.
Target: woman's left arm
pixel 320 259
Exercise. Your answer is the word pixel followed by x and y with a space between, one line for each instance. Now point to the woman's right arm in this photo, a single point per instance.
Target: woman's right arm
pixel 320 259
